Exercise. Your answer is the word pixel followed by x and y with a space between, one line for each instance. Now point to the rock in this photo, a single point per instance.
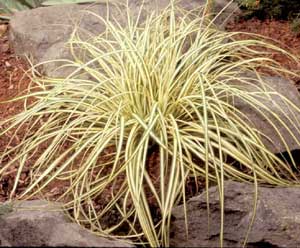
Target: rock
pixel 40 223
pixel 279 107
pixel 277 222
pixel 42 33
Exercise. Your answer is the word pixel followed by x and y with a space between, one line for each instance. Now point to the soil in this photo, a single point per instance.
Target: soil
pixel 277 32
pixel 13 82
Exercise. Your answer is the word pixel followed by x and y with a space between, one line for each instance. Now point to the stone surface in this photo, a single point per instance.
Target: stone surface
pixel 279 109
pixel 39 223
pixel 43 32
pixel 277 222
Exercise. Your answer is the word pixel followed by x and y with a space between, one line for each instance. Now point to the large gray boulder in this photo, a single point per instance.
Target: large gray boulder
pixel 277 221
pixel 39 223
pixel 42 33
pixel 280 125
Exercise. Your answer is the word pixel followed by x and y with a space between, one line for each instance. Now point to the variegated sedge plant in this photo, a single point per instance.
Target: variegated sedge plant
pixel 166 84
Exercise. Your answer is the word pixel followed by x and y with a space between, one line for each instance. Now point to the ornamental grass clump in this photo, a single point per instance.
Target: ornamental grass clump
pixel 166 85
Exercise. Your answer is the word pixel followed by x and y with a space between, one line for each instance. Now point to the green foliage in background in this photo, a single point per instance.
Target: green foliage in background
pixel 8 7
pixel 57 2
pixel 278 9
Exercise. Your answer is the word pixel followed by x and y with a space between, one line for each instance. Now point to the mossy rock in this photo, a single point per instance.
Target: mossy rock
pixel 295 26
pixel 5 208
